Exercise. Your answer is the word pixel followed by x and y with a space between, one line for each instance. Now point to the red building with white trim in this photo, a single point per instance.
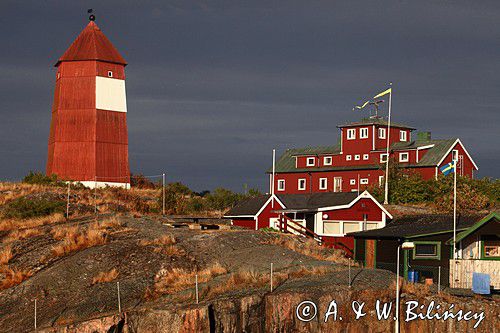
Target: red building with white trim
pixel 327 217
pixel 358 160
pixel 88 139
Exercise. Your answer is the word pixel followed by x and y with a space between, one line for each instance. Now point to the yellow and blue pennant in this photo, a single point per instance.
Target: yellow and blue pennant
pixel 448 168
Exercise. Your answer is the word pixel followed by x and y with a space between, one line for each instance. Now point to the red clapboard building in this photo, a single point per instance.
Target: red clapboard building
pixel 326 217
pixel 358 160
pixel 88 134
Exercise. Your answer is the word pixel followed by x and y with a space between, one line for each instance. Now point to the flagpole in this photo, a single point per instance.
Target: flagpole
pixel 386 198
pixel 272 178
pixel 454 209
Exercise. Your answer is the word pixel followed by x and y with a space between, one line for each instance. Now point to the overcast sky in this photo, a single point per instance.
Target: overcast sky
pixel 213 86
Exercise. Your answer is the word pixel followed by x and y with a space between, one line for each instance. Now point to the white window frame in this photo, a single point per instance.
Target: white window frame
pixel 454 155
pixel 403 136
pixel 380 181
pixel 401 159
pixel 281 184
pixel 351 134
pixel 382 133
pixel 301 188
pixel 363 181
pixel 357 157
pixel 339 181
pixel 383 158
pixel 323 181
pixel 366 157
pixel 329 159
pixel 309 159
pixel 363 133
pixel 348 157
pixel 110 73
pixel 352 181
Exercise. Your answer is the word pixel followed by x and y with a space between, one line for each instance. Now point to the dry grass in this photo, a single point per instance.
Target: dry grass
pixel 16 224
pixel 5 255
pixel 103 277
pixel 177 279
pixel 162 241
pixel 13 277
pixel 308 247
pixel 251 279
pixel 418 289
pixel 63 232
pixel 79 240
pixel 23 234
pixel 170 250
pixel 110 223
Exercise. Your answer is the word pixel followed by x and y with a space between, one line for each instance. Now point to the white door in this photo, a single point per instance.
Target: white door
pixel 337 184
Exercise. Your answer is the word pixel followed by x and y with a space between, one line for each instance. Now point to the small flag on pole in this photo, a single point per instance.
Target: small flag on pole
pixel 448 168
pixel 383 93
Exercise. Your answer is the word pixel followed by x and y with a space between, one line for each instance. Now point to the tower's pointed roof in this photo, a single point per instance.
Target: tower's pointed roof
pixel 92 44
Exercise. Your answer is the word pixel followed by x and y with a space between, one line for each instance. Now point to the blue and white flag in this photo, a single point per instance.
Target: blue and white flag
pixel 448 168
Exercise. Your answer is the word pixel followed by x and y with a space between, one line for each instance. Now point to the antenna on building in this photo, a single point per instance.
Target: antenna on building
pixel 91 12
pixel 376 105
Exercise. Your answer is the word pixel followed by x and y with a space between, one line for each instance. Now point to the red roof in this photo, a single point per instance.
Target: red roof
pixel 92 44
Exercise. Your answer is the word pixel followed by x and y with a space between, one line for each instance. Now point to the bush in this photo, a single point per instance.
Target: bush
pixel 40 179
pixel 408 187
pixel 26 208
pixel 139 181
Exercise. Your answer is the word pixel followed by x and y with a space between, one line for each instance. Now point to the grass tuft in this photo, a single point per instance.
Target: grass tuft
pixel 104 277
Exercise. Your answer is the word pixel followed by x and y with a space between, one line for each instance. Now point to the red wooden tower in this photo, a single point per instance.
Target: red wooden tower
pixel 88 139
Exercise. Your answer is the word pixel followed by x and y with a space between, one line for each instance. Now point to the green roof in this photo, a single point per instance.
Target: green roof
pixel 286 162
pixel 436 153
pixel 480 223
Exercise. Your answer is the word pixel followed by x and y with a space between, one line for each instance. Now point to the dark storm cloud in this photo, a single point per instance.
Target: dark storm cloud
pixel 213 86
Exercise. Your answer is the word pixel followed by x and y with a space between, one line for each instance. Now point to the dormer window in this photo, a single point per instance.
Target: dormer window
pixel 403 157
pixel 363 133
pixel 310 161
pixel 381 133
pixel 327 160
pixel 351 134
pixel 110 74
pixel 402 136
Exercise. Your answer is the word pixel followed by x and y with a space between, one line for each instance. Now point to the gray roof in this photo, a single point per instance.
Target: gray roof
pixel 248 206
pixel 313 201
pixel 308 202
pixel 418 225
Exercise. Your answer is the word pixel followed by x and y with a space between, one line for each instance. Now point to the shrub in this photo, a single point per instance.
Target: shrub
pixel 139 181
pixel 40 179
pixel 22 208
pixel 221 199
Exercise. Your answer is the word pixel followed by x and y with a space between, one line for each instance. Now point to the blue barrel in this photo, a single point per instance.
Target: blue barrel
pixel 412 276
